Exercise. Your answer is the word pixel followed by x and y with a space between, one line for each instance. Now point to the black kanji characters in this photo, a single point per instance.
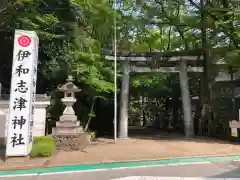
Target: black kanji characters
pixel 21 87
pixel 17 139
pixel 20 70
pixel 35 70
pixel 33 109
pixel 30 137
pixel 33 96
pixel 22 55
pixel 31 123
pixel 18 122
pixel 19 103
pixel 34 83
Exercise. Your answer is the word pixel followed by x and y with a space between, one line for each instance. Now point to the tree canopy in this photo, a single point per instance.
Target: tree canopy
pixel 71 32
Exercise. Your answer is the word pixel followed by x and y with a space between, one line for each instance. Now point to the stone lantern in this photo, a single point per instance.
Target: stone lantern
pixel 68 123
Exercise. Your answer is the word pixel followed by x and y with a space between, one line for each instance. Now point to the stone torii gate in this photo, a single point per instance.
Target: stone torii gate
pixel 168 62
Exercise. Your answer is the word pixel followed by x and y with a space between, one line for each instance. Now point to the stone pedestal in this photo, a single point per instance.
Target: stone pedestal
pixel 68 123
pixel 72 142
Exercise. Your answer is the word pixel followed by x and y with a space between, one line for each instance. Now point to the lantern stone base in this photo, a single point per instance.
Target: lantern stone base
pixel 68 129
pixel 72 142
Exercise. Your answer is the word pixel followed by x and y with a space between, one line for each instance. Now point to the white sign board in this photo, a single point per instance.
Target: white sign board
pixel 22 97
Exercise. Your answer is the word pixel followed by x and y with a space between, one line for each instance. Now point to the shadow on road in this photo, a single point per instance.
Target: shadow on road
pixel 146 133
pixel 230 174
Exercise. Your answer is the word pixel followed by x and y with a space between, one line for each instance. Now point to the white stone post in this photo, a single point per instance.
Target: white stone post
pixel 40 115
pixel 4 106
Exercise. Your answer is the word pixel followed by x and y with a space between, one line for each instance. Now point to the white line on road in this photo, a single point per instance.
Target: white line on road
pixel 122 168
pixel 19 175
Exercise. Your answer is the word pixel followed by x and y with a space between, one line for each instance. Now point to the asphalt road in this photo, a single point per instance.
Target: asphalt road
pixel 213 170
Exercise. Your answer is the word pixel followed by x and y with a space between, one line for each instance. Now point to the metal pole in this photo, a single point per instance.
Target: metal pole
pixel 115 72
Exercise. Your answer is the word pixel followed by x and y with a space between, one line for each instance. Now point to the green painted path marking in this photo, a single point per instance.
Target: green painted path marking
pixel 91 167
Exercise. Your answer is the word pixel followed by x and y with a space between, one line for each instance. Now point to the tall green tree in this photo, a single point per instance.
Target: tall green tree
pixel 71 32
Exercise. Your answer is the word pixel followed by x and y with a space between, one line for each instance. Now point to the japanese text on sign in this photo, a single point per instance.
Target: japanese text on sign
pixel 23 88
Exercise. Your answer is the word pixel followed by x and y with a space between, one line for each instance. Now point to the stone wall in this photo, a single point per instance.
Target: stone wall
pixel 39 119
pixel 72 142
pixel 3 125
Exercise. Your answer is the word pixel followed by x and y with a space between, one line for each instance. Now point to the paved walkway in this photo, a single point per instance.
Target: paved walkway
pixel 105 151
pixel 138 149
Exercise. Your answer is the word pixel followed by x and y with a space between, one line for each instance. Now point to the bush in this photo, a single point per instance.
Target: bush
pixel 43 146
pixel 92 134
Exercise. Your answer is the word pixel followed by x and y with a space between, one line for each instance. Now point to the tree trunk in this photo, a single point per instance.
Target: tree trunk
pixel 197 115
pixel 90 115
pixel 206 109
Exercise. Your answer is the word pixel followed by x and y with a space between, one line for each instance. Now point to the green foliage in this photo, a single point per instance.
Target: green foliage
pixel 92 134
pixel 91 70
pixel 178 25
pixel 43 147
pixel 71 34
pixel 92 115
pixel 148 84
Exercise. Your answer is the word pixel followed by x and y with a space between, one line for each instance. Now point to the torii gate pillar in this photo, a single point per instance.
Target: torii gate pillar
pixel 124 96
pixel 186 101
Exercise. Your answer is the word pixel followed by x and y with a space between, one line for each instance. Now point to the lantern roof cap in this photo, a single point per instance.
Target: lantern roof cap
pixel 69 86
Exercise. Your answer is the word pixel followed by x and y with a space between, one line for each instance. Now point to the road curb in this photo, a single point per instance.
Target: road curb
pixel 117 165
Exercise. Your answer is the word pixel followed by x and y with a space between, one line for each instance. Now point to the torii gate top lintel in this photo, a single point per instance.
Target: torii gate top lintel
pixel 160 61
pixel 157 56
